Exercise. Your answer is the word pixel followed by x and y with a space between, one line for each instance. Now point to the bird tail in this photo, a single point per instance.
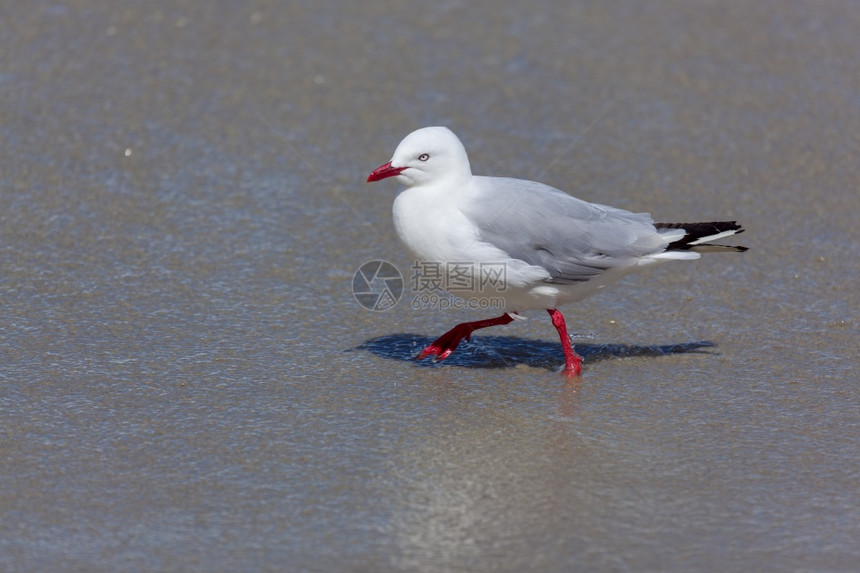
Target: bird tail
pixel 698 236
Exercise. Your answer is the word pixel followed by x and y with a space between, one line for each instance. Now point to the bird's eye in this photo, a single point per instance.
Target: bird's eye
pixel 423 157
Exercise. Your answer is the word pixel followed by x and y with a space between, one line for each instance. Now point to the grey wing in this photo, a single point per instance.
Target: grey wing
pixel 572 239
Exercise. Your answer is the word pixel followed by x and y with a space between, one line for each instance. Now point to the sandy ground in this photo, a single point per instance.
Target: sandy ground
pixel 188 383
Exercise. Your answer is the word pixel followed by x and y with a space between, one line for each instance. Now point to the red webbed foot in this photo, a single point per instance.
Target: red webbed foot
pixel 443 346
pixel 572 360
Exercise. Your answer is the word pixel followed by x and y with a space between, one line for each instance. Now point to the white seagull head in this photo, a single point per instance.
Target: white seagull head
pixel 427 156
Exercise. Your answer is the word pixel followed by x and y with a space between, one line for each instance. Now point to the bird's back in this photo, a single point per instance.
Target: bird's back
pixel 573 239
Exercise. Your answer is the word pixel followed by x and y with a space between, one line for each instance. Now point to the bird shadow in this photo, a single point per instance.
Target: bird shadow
pixel 510 351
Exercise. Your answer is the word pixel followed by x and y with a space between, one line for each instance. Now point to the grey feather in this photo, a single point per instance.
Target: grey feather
pixel 573 239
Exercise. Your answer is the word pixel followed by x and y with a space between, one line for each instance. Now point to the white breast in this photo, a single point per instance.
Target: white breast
pixel 433 228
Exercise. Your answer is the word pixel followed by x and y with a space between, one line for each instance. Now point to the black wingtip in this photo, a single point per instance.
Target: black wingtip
pixel 697 235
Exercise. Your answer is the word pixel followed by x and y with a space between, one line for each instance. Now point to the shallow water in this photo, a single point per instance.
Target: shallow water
pixel 189 384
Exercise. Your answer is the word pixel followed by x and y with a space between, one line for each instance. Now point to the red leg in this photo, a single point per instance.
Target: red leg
pixel 572 361
pixel 445 344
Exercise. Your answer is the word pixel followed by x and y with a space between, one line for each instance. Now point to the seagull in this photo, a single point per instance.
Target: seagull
pixel 545 248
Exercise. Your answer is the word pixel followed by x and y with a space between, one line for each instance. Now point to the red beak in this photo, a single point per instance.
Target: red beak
pixel 384 172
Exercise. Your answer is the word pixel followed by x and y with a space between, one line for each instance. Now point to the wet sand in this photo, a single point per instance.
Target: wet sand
pixel 189 383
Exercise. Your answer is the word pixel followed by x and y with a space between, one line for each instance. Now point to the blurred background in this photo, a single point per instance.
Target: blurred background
pixel 189 384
